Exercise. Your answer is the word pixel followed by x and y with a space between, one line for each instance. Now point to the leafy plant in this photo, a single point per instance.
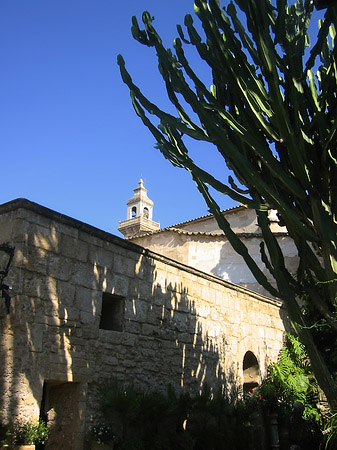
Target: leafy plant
pixel 290 390
pixel 331 432
pixel 290 380
pixel 177 420
pixel 20 432
pixel 102 433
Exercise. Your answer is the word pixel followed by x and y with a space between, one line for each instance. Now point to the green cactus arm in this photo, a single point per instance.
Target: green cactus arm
pixel 273 120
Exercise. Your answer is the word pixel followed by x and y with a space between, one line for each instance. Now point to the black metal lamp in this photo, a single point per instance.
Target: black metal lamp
pixel 321 4
pixel 6 256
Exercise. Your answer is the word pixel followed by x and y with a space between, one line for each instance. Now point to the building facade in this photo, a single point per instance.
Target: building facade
pixel 88 307
pixel 199 243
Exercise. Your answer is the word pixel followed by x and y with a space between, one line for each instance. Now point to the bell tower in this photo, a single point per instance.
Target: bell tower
pixel 139 214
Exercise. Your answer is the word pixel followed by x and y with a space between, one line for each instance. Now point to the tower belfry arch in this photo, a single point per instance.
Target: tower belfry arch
pixel 139 214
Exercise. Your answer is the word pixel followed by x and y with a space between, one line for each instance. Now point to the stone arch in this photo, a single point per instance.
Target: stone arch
pixel 251 371
pixel 146 213
pixel 134 212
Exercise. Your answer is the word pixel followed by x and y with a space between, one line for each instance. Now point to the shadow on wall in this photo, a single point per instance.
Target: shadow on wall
pixel 55 350
pixel 232 267
pixel 164 338
pixel 40 335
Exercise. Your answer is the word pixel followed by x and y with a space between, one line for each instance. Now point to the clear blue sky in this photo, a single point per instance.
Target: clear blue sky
pixel 69 138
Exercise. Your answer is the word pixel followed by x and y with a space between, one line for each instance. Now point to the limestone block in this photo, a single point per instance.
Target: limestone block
pixel 72 247
pixel 260 332
pixel 108 338
pixel 186 338
pixel 7 218
pixel 35 285
pixel 173 282
pixel 194 289
pixel 116 284
pixel 35 259
pixel 161 297
pixel 29 216
pixel 160 278
pixel 129 340
pixel 35 338
pixel 6 231
pixel 189 306
pixel 87 300
pixel 270 334
pixel 202 310
pixel 60 372
pixel 66 293
pixel 155 314
pixel 214 330
pixel 60 267
pixel 44 237
pixel 67 230
pixel 249 331
pixel 86 318
pixel 51 318
pixel 86 275
pixel 180 302
pixel 250 317
pixel 91 239
pixel 136 310
pixel 101 257
pixel 89 328
pixel 144 289
pixel 150 330
pixel 233 317
pixel 132 327
pixel 144 268
pixel 110 360
pixel 279 336
pixel 125 265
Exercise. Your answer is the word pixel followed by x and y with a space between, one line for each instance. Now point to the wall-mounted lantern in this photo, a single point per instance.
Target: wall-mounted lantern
pixel 6 256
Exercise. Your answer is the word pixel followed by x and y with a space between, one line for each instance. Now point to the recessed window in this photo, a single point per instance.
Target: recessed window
pixel 251 371
pixel 134 212
pixel 112 315
pixel 146 213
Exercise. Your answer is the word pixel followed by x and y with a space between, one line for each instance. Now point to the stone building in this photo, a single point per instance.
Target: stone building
pixel 88 306
pixel 200 243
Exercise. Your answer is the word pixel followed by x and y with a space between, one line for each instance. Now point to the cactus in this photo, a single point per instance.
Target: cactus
pixel 273 119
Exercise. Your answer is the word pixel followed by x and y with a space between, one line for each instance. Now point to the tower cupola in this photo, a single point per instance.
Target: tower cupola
pixel 139 214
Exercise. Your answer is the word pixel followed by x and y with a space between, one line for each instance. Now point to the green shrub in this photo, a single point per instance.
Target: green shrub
pixel 331 433
pixel 177 420
pixel 20 432
pixel 291 391
pixel 102 433
pixel 291 380
pixel 211 419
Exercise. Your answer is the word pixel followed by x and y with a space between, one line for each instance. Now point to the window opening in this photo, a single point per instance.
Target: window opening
pixel 134 212
pixel 146 213
pixel 251 372
pixel 112 315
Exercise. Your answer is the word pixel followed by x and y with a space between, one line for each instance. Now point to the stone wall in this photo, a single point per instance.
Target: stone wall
pixel 179 325
pixel 201 244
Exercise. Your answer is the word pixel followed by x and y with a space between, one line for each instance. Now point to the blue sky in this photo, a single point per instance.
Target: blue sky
pixel 69 138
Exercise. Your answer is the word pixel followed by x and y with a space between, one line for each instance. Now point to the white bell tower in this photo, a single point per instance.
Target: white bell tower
pixel 139 214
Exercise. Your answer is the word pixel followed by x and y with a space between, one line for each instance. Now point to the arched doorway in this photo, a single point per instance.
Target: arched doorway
pixel 251 371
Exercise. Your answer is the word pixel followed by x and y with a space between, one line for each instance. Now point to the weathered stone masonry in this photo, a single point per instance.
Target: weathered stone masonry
pixel 178 325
